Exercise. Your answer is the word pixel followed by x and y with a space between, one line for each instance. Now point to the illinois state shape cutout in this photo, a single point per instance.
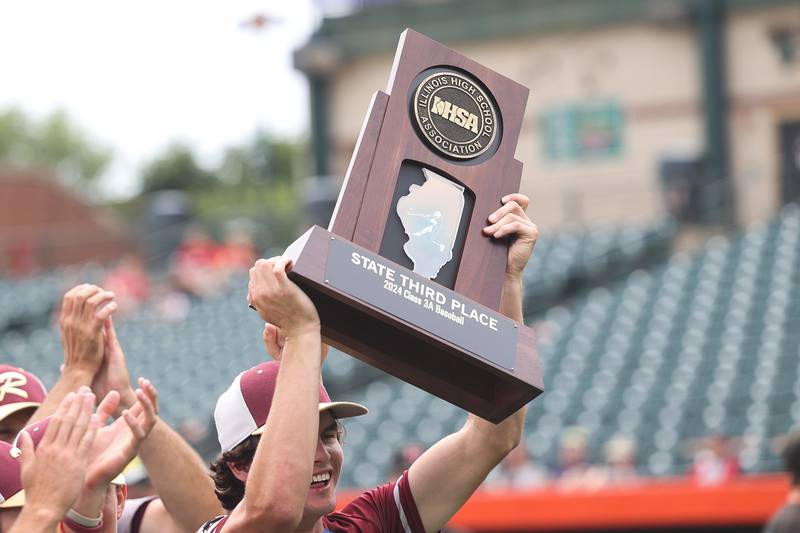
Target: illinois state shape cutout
pixel 431 214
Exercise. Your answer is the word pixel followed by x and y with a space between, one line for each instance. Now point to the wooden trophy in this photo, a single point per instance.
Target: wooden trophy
pixel 404 278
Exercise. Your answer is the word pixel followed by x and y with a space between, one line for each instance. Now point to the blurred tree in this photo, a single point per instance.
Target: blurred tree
pixel 176 169
pixel 14 135
pixel 259 185
pixel 54 142
pixel 254 182
pixel 262 160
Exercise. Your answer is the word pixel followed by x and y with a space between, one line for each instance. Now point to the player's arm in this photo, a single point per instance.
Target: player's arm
pixel 84 309
pixel 185 490
pixel 280 474
pixel 445 476
pixel 181 479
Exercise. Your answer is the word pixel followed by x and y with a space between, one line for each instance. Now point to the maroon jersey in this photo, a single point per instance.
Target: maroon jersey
pixel 389 508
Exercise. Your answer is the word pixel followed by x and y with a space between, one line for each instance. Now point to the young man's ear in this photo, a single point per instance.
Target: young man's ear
pixel 238 471
pixel 122 495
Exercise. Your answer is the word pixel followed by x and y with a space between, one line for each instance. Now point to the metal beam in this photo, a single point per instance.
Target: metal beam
pixel 717 197
pixel 318 90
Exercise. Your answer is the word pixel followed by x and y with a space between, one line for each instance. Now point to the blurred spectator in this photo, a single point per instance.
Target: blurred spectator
pixel 517 471
pixel 130 284
pixel 193 265
pixel 21 260
pixel 787 519
pixel 237 253
pixel 403 458
pixel 574 470
pixel 715 462
pixel 171 305
pixel 620 467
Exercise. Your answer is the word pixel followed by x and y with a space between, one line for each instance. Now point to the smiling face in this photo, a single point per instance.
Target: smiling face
pixel 321 498
pixel 328 460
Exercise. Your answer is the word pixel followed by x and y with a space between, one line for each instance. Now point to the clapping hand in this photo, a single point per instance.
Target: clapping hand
pixel 117 444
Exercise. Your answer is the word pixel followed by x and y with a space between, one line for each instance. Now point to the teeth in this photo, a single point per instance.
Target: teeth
pixel 321 477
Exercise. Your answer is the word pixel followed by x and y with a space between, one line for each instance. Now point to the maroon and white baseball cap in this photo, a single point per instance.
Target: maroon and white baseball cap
pixel 242 410
pixel 11 493
pixel 19 390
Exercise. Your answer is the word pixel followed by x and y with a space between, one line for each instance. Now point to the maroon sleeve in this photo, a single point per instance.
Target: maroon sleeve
pixel 389 508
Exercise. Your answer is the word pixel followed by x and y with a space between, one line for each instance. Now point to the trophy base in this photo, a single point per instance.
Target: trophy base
pixel 416 330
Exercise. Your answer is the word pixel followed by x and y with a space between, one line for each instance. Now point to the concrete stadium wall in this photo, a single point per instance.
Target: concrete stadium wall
pixel 651 72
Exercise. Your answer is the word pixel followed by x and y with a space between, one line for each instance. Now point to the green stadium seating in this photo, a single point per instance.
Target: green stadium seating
pixel 662 348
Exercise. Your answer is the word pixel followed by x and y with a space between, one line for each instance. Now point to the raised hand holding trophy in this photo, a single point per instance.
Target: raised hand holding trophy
pixel 404 279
